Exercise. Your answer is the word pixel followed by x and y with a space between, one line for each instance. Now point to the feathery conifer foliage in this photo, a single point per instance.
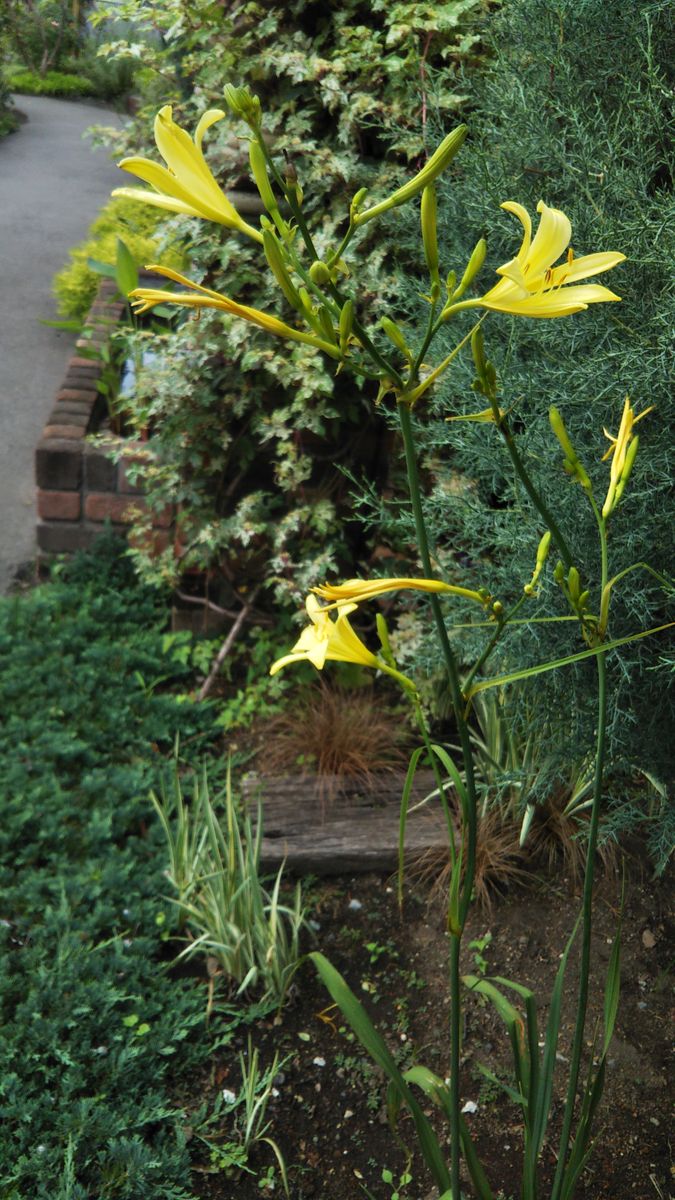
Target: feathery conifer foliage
pixel 573 108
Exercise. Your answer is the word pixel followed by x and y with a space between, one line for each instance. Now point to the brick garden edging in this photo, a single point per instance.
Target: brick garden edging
pixel 79 487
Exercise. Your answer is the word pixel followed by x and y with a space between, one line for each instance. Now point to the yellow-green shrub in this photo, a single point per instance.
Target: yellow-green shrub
pixel 140 227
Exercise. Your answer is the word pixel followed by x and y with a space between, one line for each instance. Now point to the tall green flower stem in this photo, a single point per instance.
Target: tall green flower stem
pixel 587 922
pixel 469 831
pixel 540 505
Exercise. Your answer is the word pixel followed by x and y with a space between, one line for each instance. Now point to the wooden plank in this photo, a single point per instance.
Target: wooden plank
pixel 323 826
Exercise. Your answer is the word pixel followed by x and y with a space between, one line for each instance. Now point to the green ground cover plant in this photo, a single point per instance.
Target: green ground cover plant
pixel 96 1031
pixel 52 83
pixel 140 229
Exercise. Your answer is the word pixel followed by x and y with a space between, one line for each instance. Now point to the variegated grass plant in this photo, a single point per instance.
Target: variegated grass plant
pixel 224 906
pixel 320 291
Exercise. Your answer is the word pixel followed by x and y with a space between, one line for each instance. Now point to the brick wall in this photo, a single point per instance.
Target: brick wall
pixel 79 487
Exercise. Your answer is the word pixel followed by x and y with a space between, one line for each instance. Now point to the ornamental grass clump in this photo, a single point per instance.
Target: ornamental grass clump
pixel 225 909
pixel 320 294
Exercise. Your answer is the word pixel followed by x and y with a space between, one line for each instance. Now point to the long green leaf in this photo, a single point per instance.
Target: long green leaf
pixel 439 1092
pixel 356 1015
pixel 539 1117
pixel 528 672
pixel 126 273
pixel 514 1023
pixel 612 989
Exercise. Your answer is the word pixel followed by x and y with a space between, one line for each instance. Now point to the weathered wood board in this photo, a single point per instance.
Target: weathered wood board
pixel 318 829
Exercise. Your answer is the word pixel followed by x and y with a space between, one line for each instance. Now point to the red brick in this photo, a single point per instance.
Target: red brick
pixel 63 538
pixel 87 376
pixel 81 360
pixel 63 431
pixel 102 506
pixel 65 415
pixel 100 472
pixel 58 506
pixel 58 464
pixel 81 395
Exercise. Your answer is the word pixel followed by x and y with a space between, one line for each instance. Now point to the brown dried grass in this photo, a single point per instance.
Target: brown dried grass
pixel 346 738
pixel 500 862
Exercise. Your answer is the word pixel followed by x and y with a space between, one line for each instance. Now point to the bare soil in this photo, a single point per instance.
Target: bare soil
pixel 329 1116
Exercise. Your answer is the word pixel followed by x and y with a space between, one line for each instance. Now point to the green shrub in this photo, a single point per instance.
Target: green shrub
pixel 53 83
pixel 140 227
pixel 253 435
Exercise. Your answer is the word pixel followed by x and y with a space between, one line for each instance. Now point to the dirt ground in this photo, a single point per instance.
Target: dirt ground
pixel 329 1118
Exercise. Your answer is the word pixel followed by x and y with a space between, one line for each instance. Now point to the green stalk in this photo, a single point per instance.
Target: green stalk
pixel 587 905
pixel 467 756
pixel 532 492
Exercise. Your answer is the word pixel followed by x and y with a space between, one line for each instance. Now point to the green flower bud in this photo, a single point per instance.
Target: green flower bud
pixel 319 273
pixel 383 634
pixel 346 323
pixel 627 468
pixel 559 572
pixel 574 584
pixel 571 463
pixel 583 599
pixel 275 259
pixel 439 160
pixel 544 547
pixel 473 267
pixel 394 334
pixel 429 234
pixel 256 158
pixel 356 201
pixel 243 104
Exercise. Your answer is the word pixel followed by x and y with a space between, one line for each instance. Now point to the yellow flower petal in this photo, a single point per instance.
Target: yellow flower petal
pixel 186 184
pixel 360 590
pixel 531 285
pixel 146 298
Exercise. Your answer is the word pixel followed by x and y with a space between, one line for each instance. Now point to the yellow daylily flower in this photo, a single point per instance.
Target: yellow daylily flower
pixel 622 454
pixel 144 299
pixel 359 590
pixel 531 286
pixel 325 640
pixel 186 184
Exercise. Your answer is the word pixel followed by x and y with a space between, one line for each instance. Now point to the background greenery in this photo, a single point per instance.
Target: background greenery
pixel 563 112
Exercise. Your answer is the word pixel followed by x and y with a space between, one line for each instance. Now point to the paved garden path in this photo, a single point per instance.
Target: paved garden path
pixel 52 185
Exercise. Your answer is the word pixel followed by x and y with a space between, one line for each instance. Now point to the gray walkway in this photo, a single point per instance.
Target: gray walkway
pixel 52 185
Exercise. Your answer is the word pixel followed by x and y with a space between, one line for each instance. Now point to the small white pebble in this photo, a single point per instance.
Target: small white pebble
pixel 41 1149
pixel 228 1096
pixel 355 904
pixel 470 1107
pixel 319 1061
pixel 347 1113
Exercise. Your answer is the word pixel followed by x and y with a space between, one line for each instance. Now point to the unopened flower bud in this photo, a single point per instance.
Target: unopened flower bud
pixel 473 267
pixel 319 273
pixel 346 323
pixel 243 104
pixel 574 584
pixel 429 235
pixel 439 160
pixel 559 572
pixel 256 158
pixel 395 335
